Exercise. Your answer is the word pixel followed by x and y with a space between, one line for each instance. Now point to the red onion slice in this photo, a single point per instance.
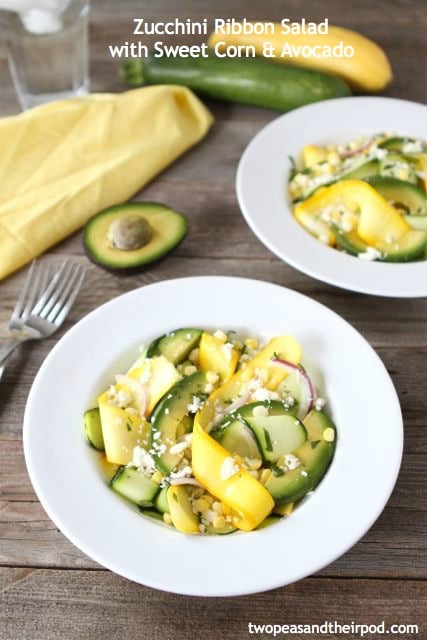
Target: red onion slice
pixel 354 152
pixel 307 393
pixel 239 402
pixel 137 389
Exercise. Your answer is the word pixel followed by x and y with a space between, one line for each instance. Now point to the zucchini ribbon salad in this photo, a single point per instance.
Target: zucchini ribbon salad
pixel 212 434
pixel 367 197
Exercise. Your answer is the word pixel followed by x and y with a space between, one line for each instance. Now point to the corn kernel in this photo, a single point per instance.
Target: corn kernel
pixel 189 369
pixel 251 343
pixel 333 158
pixel 209 499
pixel 194 355
pixel 167 518
pixel 217 507
pixel 219 522
pixel 254 464
pixel 200 505
pixel 197 492
pixel 212 377
pixel 157 477
pixel 329 434
pixel 265 474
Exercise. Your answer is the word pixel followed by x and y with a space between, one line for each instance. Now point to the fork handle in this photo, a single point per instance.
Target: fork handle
pixel 7 348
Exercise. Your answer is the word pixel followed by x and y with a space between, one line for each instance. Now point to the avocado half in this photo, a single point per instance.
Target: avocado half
pixel 167 228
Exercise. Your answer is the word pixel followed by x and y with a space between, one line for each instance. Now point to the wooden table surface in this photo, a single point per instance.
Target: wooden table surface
pixel 48 588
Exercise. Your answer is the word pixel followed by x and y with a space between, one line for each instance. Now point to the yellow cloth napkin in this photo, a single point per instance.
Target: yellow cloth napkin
pixel 62 162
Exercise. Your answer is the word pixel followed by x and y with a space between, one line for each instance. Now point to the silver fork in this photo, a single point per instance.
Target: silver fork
pixel 43 305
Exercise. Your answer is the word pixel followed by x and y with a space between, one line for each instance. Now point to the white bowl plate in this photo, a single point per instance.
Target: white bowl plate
pixel 262 191
pixel 64 471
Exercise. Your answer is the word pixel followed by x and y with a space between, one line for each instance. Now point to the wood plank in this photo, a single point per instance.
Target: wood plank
pixel 29 538
pixel 394 547
pixel 77 604
pixel 368 314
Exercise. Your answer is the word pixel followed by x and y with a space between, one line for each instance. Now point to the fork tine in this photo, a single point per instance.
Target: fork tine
pixel 34 291
pixel 59 281
pixel 21 303
pixel 66 301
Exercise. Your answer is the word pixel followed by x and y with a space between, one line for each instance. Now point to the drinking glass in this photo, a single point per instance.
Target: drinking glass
pixel 48 52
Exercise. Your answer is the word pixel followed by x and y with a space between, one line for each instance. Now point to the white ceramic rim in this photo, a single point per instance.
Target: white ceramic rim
pixel 261 185
pixel 340 511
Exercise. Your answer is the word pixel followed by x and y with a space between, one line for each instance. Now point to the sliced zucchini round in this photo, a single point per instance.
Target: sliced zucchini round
pixel 175 346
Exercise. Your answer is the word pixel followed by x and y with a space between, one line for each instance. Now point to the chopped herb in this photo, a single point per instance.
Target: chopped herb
pixel 294 169
pixel 128 426
pixel 275 356
pixel 277 471
pixel 228 401
pixel 314 443
pixel 268 443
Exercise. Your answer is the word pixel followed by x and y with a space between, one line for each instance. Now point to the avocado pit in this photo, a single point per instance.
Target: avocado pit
pixel 129 233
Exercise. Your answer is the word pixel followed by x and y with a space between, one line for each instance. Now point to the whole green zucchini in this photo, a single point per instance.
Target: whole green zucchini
pixel 251 81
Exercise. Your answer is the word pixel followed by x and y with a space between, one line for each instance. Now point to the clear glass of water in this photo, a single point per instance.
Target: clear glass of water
pixel 48 52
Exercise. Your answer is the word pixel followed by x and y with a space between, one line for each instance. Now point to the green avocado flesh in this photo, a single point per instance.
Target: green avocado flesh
pixel 167 227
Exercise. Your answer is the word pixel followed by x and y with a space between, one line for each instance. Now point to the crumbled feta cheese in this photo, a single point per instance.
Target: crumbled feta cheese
pixel 260 411
pixel 220 335
pixel 261 394
pixel 319 404
pixel 167 411
pixel 229 468
pixel 291 462
pixel 212 377
pixel 370 254
pixel 185 472
pixel 290 401
pixel 179 447
pixel 142 459
pixel 209 387
pixel 195 405
pixel 156 435
pixel 111 393
pixel 379 154
pixel 227 350
pixel 304 473
pixel 412 147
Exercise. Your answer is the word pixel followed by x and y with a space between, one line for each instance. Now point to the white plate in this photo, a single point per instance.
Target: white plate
pixel 63 469
pixel 262 192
